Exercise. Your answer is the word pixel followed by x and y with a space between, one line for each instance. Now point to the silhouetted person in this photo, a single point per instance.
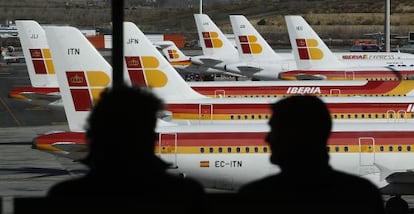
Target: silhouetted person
pixel 124 172
pixel 300 127
pixel 396 205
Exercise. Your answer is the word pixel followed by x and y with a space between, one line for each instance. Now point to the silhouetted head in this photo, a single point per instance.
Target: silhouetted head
pixel 300 127
pixel 121 126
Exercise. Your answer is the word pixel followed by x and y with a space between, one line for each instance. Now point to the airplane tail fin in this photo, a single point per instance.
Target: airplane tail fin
pixel 82 72
pixel 144 65
pixel 309 50
pixel 212 40
pixel 250 44
pixel 37 55
pixel 173 54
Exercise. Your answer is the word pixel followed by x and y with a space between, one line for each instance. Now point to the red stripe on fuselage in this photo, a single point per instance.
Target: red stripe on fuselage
pixel 250 138
pixel 221 108
pixel 349 74
pixel 336 108
pixel 371 87
pixel 264 108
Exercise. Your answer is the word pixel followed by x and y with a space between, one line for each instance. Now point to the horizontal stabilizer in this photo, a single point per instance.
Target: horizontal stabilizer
pixel 248 69
pixel 162 46
pixel 210 61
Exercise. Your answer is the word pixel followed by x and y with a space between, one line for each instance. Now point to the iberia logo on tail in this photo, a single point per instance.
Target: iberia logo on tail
pixel 42 61
pixel 85 87
pixel 173 54
pixel 307 49
pixel 211 40
pixel 144 70
pixel 249 44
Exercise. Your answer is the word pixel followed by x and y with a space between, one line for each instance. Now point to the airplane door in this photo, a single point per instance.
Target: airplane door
pixel 349 75
pixel 205 112
pixel 219 93
pixel 402 115
pixel 335 91
pixel 366 151
pixel 391 115
pixel 167 144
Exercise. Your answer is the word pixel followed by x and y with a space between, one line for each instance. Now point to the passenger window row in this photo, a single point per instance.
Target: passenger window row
pixel 335 116
pixel 389 148
pixel 374 116
pixel 397 148
pixel 250 117
pixel 318 95
pixel 233 149
pixel 331 149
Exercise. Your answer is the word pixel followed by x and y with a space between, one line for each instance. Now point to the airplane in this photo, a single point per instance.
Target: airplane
pixel 285 88
pixel 315 60
pixel 262 63
pixel 39 64
pixel 144 65
pixel 226 155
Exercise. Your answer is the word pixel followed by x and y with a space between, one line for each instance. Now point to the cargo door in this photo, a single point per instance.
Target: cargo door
pixel 167 144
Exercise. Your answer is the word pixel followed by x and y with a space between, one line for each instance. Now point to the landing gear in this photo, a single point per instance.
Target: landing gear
pixel 208 77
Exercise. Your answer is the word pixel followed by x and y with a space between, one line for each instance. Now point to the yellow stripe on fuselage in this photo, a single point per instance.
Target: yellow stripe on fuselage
pixel 266 149
pixel 405 87
pixel 337 116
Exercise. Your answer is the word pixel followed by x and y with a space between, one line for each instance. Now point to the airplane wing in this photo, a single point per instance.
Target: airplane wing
pixel 10 59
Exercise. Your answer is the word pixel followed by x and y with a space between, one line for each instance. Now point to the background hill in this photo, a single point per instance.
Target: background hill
pixel 338 22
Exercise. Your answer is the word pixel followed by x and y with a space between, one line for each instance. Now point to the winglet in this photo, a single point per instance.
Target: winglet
pixel 309 50
pixel 82 72
pixel 144 65
pixel 37 54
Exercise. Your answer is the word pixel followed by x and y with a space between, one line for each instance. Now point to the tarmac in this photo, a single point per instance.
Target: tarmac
pixel 26 172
